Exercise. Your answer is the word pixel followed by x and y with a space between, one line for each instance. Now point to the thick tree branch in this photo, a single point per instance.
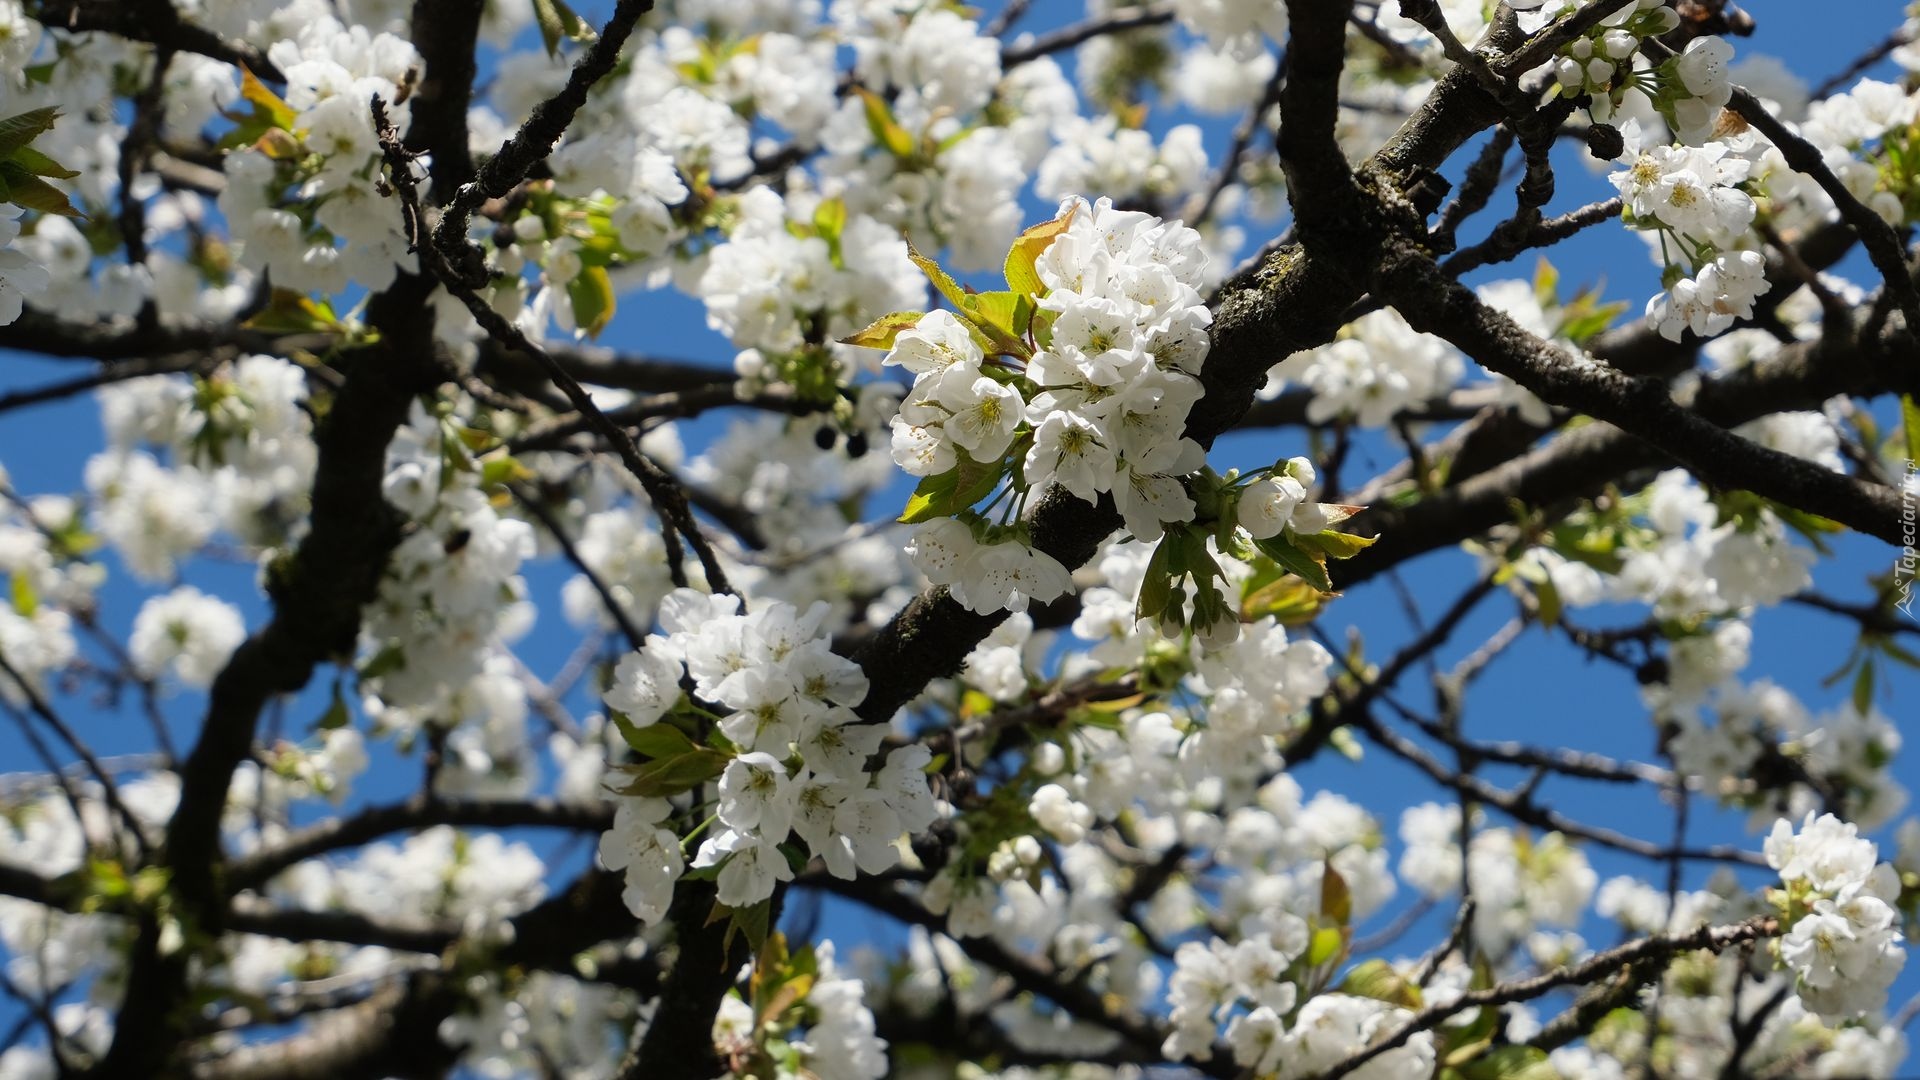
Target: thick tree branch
pixel 531 144
pixel 157 23
pixel 1434 303
pixel 419 812
pixel 1115 22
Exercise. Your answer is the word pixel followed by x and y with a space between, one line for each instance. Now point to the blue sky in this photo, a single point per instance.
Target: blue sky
pixel 1544 691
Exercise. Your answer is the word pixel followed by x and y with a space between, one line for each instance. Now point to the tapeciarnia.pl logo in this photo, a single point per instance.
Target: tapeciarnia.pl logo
pixel 1903 570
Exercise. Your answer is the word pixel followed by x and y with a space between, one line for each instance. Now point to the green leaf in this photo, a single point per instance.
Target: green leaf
pixel 1584 319
pixel 754 922
pixel 40 164
pixel 1811 526
pixel 385 662
pixel 289 312
pixel 943 281
pixel 887 131
pixel 882 332
pixel 337 715
pixel 591 292
pixel 556 21
pixel 1288 599
pixel 26 189
pixel 25 600
pixel 1512 1062
pixel 1378 980
pixel 654 741
pixel 929 497
pixel 1004 317
pixel 1309 567
pixel 946 494
pixel 1026 251
pixel 1333 545
pixel 830 217
pixel 109 878
pixel 1325 945
pixel 668 776
pixel 1336 900
pixel 18 130
pixel 1910 422
pixel 1863 688
pixel 1548 595
pixel 266 101
pixel 1898 654
pixel 1465 1041
pixel 1546 284
pixel 505 469
pixel 1156 585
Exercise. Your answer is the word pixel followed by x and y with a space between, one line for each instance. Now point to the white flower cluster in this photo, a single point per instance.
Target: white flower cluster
pixel 931 158
pixel 48 948
pixel 1212 980
pixel 1377 367
pixel 1234 25
pixel 187 632
pixel 47 575
pixel 1688 91
pixel 1520 883
pixel 1846 126
pixel 933 53
pixel 1254 685
pixel 1247 982
pixel 333 72
pixel 1122 162
pixel 1688 191
pixel 451 596
pixel 1688 196
pixel 796 490
pixel 237 441
pixel 765 287
pixel 1003 574
pixel 1841 749
pixel 1100 407
pixel 801 761
pixel 1843 934
pixel 624 548
pixel 478 879
pixel 20 275
pixel 839 1042
pixel 1696 563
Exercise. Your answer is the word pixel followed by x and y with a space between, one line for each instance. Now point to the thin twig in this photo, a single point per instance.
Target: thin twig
pixel 1714 938
pixel 1079 33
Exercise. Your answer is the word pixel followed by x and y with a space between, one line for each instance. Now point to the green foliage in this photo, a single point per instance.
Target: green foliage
pixel 23 169
pixel 952 492
pixel 557 21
